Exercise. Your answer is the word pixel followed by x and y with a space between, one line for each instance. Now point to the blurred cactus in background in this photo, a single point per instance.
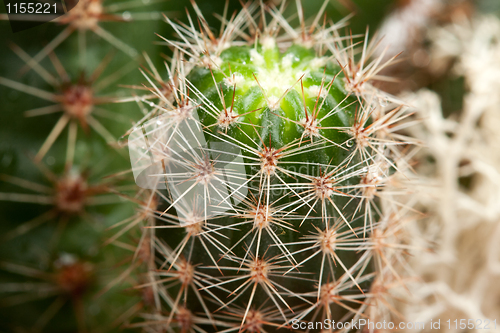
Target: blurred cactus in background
pixel 58 151
pixel 460 173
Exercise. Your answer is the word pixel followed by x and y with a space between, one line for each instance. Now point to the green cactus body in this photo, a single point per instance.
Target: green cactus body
pixel 270 98
pixel 287 228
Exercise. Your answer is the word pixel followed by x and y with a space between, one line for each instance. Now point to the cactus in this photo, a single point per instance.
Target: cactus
pixel 459 171
pixel 270 169
pixel 275 162
pixel 56 200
